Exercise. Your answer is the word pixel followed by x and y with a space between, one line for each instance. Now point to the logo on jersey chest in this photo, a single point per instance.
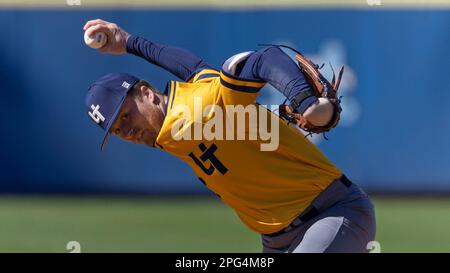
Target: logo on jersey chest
pixel 208 158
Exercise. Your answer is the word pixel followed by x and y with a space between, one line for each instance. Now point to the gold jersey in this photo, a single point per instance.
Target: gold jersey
pixel 267 189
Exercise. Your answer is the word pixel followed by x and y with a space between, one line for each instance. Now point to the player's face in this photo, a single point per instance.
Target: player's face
pixel 140 119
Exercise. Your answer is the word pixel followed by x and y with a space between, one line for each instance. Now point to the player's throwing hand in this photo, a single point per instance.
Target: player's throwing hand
pixel 117 37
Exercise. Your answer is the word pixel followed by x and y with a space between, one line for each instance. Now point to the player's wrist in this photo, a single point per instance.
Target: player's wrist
pixel 305 104
pixel 126 37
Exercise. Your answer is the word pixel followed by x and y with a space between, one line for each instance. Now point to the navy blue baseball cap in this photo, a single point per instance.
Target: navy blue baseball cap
pixel 105 98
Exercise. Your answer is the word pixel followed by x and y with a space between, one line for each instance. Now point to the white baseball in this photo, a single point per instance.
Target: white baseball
pixel 95 41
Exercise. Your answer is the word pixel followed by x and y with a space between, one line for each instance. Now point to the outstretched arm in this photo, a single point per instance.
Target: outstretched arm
pixel 178 61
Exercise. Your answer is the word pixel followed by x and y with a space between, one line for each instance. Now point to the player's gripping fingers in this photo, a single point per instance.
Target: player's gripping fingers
pixel 94 22
pixel 116 36
pixel 99 28
pixel 105 49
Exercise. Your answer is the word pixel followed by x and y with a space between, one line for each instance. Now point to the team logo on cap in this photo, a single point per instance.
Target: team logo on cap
pixel 96 116
pixel 126 85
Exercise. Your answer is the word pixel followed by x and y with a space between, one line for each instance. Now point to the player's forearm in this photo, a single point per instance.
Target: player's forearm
pixel 275 67
pixel 178 61
pixel 278 69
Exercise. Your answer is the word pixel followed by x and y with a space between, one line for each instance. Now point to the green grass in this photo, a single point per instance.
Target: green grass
pixel 47 224
pixel 413 225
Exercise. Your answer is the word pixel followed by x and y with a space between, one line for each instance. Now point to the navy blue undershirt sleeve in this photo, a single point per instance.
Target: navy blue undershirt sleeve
pixel 273 66
pixel 177 61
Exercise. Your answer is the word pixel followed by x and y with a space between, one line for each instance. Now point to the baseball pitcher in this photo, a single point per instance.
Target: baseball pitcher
pixel 291 194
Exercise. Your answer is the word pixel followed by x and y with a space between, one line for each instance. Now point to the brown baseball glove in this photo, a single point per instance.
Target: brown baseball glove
pixel 320 87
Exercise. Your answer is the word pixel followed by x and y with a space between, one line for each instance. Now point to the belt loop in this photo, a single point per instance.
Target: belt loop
pixel 345 181
pixel 311 213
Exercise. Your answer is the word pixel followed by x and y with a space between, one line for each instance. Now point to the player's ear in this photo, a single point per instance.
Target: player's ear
pixel 145 93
